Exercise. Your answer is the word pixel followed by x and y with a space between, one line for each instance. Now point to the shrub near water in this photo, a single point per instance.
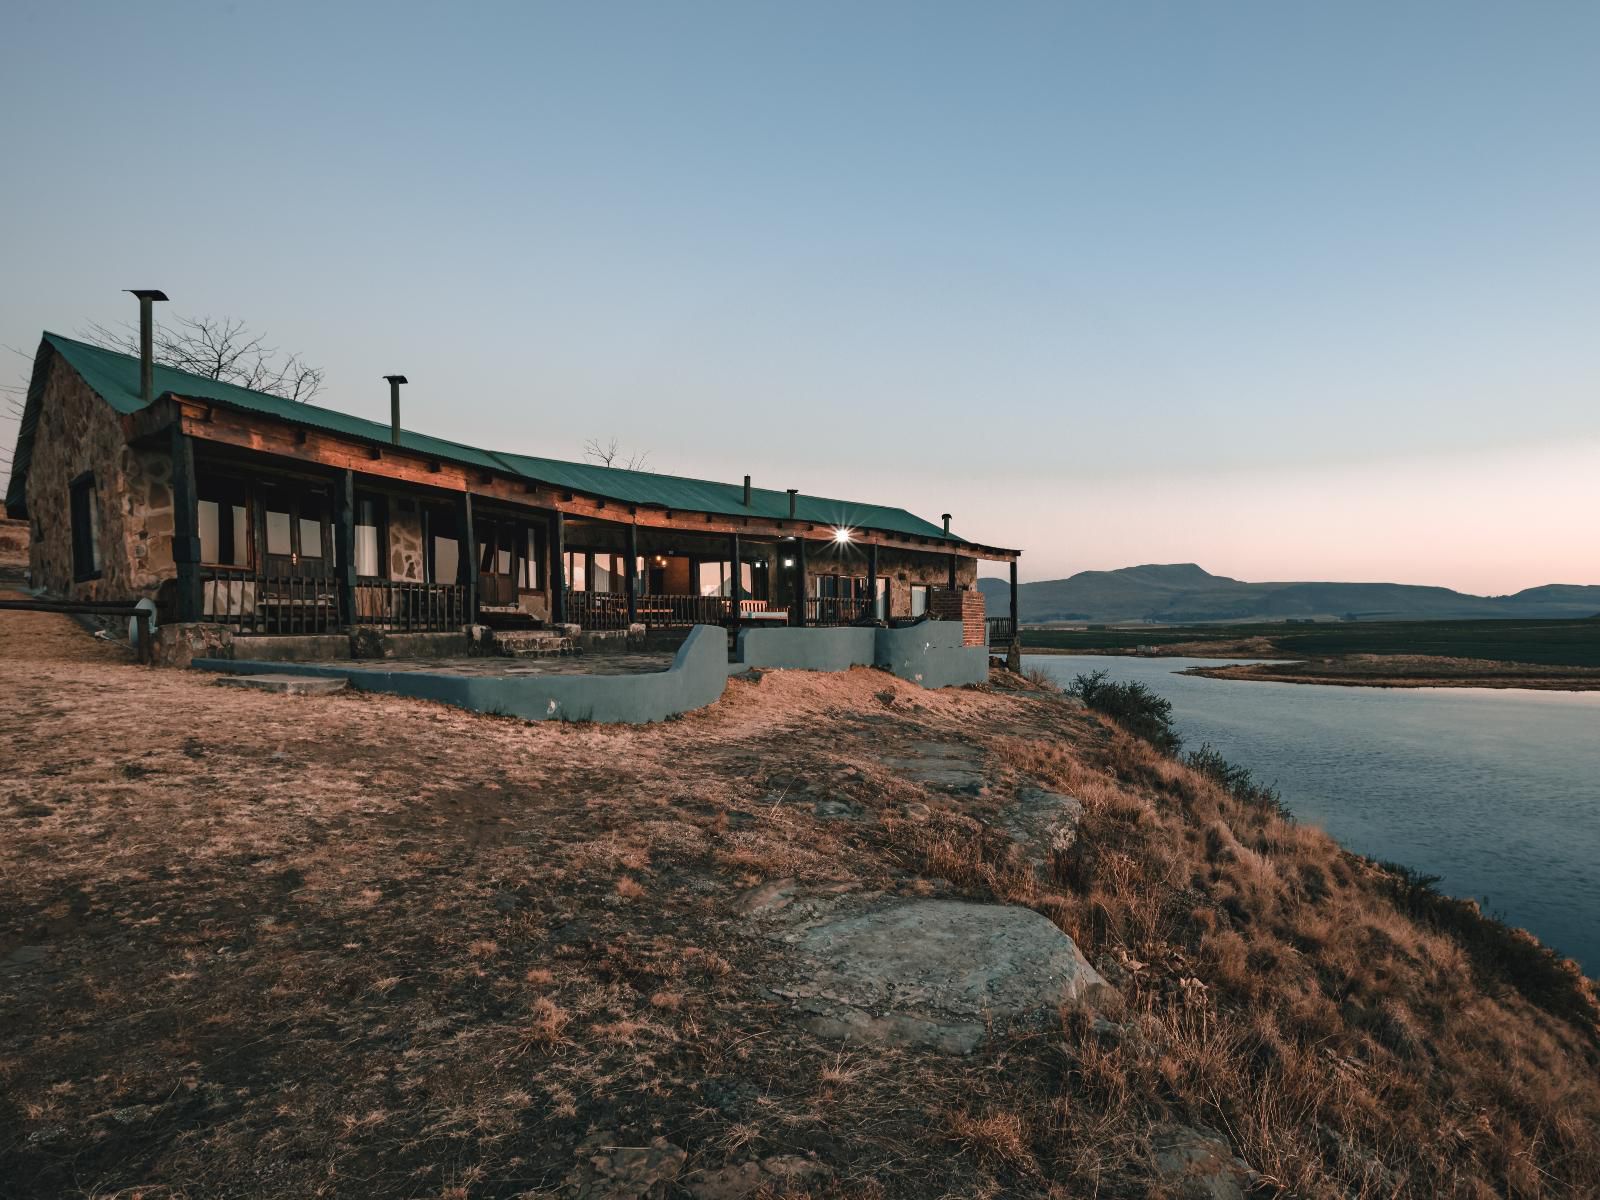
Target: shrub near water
pixel 1353 1031
pixel 1132 705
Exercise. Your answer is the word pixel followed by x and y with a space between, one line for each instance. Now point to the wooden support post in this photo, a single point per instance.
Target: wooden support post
pixel 469 558
pixel 557 542
pixel 952 572
pixel 1014 650
pixel 185 525
pixel 872 582
pixel 733 585
pixel 344 544
pixel 799 581
pixel 1016 627
pixel 633 574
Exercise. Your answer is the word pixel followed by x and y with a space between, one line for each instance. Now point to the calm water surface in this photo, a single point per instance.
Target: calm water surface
pixel 1496 791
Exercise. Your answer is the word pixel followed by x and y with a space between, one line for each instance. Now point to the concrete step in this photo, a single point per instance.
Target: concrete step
pixel 290 685
pixel 533 643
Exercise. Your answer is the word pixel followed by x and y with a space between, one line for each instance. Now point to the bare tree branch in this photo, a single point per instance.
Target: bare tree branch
pixel 606 454
pixel 222 349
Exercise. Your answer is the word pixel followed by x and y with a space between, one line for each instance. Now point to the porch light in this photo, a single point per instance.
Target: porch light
pixel 841 536
pixel 788 562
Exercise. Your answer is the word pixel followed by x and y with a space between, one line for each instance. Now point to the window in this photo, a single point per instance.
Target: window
pixel 716 579
pixel 577 568
pixel 444 551
pixel 369 551
pixel 528 569
pixel 278 539
pixel 310 537
pixel 919 599
pixel 85 528
pixel 224 533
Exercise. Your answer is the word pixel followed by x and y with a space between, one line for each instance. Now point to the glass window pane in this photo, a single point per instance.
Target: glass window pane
pixel 278 533
pixel 711 579
pixel 210 538
pixel 577 571
pixel 94 527
pixel 919 599
pixel 366 550
pixel 310 538
pixel 241 536
pixel 446 560
pixel 530 565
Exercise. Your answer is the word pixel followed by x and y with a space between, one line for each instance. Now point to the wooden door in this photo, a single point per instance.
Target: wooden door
pixel 497 562
pixel 296 532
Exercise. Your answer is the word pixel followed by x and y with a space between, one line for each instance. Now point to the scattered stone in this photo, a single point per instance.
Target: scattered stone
pixel 767 897
pixel 626 1172
pixel 917 811
pixel 771 1176
pixel 288 685
pixel 836 810
pixel 934 973
pixel 952 767
pixel 134 1114
pixel 1199 1163
pixel 22 958
pixel 1042 823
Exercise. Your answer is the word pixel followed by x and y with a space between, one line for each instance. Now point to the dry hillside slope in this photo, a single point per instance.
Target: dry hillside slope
pixel 256 945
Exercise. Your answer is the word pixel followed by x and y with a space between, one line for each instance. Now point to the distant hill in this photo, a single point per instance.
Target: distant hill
pixel 1184 593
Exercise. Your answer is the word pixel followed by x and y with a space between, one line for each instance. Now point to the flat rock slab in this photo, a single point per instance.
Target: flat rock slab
pixel 289 685
pixel 943 766
pixel 1042 823
pixel 935 973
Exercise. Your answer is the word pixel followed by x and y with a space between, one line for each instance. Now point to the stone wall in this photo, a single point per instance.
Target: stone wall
pixel 965 607
pixel 901 568
pixel 79 432
pixel 406 555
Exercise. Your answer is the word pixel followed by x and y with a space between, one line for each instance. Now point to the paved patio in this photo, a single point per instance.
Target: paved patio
pixel 633 662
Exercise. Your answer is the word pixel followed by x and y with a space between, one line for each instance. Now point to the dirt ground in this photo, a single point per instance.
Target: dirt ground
pixel 254 944
pixel 353 945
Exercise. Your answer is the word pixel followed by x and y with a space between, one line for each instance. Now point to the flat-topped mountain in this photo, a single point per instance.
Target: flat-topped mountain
pixel 1181 593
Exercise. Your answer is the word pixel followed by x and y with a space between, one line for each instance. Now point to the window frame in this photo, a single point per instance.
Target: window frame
pixel 83 508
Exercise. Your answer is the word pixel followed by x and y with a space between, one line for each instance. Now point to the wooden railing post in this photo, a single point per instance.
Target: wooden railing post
pixel 872 581
pixel 469 555
pixel 632 574
pixel 733 584
pixel 800 581
pixel 557 541
pixel 344 545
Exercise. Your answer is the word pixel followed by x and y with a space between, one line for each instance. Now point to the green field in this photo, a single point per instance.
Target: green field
pixel 1552 643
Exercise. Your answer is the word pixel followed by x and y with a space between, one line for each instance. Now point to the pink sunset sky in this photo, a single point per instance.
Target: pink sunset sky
pixel 1293 292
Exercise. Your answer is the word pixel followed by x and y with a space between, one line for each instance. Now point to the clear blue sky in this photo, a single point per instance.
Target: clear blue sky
pixel 1290 290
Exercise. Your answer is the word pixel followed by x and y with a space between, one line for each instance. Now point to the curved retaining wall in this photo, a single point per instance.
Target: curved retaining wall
pixel 930 653
pixel 697 677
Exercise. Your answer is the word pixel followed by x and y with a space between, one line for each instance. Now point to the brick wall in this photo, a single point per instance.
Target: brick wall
pixel 963 606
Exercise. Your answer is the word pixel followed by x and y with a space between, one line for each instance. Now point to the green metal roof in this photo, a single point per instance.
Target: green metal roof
pixel 115 377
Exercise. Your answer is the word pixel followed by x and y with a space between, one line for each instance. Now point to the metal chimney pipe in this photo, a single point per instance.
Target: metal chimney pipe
pixel 747 491
pixel 793 492
pixel 394 406
pixel 147 339
pixel 947 524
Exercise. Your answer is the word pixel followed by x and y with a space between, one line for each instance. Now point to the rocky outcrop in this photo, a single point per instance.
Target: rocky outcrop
pixel 1198 1164
pixel 939 974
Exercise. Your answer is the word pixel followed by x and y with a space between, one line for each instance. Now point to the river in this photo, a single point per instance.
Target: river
pixel 1495 791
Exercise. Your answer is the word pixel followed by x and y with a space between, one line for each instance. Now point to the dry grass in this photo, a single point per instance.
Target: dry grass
pixel 360 946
